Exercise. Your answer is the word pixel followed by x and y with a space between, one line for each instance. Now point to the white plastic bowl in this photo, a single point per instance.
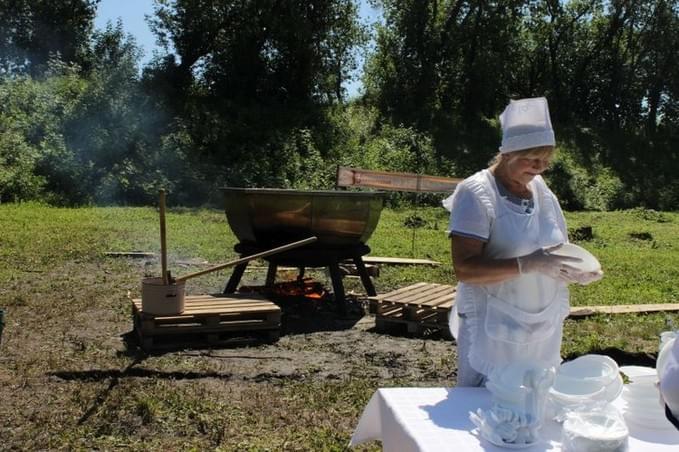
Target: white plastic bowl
pixel 572 389
pixel 586 377
pixel 613 389
pixel 651 420
pixel 584 381
pixel 641 394
pixel 596 368
pixel 589 262
pixel 642 388
pixel 595 431
pixel 642 402
pixel 650 378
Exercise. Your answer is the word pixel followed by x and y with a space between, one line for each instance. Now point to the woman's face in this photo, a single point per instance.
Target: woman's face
pixel 524 166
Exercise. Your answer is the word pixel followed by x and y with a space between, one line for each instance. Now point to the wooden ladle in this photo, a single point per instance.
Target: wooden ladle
pixel 163 240
pixel 242 260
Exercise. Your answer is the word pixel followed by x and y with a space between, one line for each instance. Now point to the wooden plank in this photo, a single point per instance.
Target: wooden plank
pixel 582 311
pixel 420 302
pixel 231 298
pixel 416 327
pixel 443 302
pixel 218 297
pixel 446 305
pixel 136 254
pixel 419 307
pixel 398 291
pixel 350 269
pixel 398 261
pixel 387 309
pixel 216 305
pixel 198 304
pixel 209 319
pixel 203 317
pixel 357 177
pixel 242 325
pixel 412 294
pixel 225 309
pixel 433 291
pixel 207 328
pixel 230 309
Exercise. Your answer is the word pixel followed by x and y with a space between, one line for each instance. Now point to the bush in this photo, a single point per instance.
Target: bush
pixel 668 196
pixel 595 187
pixel 18 180
pixel 35 160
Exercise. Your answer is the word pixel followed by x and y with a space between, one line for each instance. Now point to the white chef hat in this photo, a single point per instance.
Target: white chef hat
pixel 526 124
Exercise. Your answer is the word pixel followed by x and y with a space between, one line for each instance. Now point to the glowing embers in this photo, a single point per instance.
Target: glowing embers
pixel 297 289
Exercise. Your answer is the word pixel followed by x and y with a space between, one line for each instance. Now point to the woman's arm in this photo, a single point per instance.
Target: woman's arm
pixel 472 268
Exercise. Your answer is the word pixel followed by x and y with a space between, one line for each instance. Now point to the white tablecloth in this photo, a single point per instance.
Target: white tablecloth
pixel 437 419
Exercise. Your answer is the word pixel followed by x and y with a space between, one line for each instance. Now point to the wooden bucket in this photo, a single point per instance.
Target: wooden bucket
pixel 161 299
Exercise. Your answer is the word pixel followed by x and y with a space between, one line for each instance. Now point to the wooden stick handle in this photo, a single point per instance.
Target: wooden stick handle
pixel 163 244
pixel 242 260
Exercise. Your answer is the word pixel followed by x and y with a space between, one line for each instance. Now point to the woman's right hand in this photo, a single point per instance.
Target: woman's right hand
pixel 557 267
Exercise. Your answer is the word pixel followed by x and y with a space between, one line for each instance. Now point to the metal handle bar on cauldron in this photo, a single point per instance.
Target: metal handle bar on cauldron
pixel 242 260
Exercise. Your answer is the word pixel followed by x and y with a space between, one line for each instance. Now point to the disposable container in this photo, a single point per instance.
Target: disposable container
pixel 600 430
pixel 599 369
pixel 586 381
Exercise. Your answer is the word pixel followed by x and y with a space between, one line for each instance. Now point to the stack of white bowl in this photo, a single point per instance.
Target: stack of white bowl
pixel 601 430
pixel 585 381
pixel 642 404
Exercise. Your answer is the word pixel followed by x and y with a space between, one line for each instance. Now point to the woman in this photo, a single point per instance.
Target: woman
pixel 512 296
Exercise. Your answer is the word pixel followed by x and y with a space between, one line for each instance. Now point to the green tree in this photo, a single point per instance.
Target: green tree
pixel 34 31
pixel 252 77
pixel 445 66
pixel 35 160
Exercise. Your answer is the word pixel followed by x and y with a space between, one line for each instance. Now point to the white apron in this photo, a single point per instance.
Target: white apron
pixel 522 318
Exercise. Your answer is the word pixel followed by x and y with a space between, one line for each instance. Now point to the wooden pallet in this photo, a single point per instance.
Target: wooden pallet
pixel 584 311
pixel 419 307
pixel 209 320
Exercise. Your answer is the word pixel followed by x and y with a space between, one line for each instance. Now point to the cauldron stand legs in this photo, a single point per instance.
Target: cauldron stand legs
pixel 309 257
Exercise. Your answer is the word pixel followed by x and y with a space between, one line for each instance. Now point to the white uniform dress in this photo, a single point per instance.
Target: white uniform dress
pixel 518 319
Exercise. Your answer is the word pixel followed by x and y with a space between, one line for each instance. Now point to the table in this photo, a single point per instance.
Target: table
pixel 437 419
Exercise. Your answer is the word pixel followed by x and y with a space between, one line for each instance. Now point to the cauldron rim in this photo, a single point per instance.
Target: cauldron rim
pixel 295 192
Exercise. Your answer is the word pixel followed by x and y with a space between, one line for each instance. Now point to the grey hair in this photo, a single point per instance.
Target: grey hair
pixel 531 152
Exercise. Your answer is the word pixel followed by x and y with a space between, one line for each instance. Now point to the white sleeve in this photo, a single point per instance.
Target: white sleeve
pixel 468 216
pixel 560 218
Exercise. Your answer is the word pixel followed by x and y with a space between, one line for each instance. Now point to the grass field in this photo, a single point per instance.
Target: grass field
pixel 69 380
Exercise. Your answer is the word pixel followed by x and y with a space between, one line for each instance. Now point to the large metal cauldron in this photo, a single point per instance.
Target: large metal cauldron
pixel 270 217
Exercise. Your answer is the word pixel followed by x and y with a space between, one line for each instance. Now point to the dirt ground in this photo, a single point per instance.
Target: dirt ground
pixel 323 340
pixel 72 374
